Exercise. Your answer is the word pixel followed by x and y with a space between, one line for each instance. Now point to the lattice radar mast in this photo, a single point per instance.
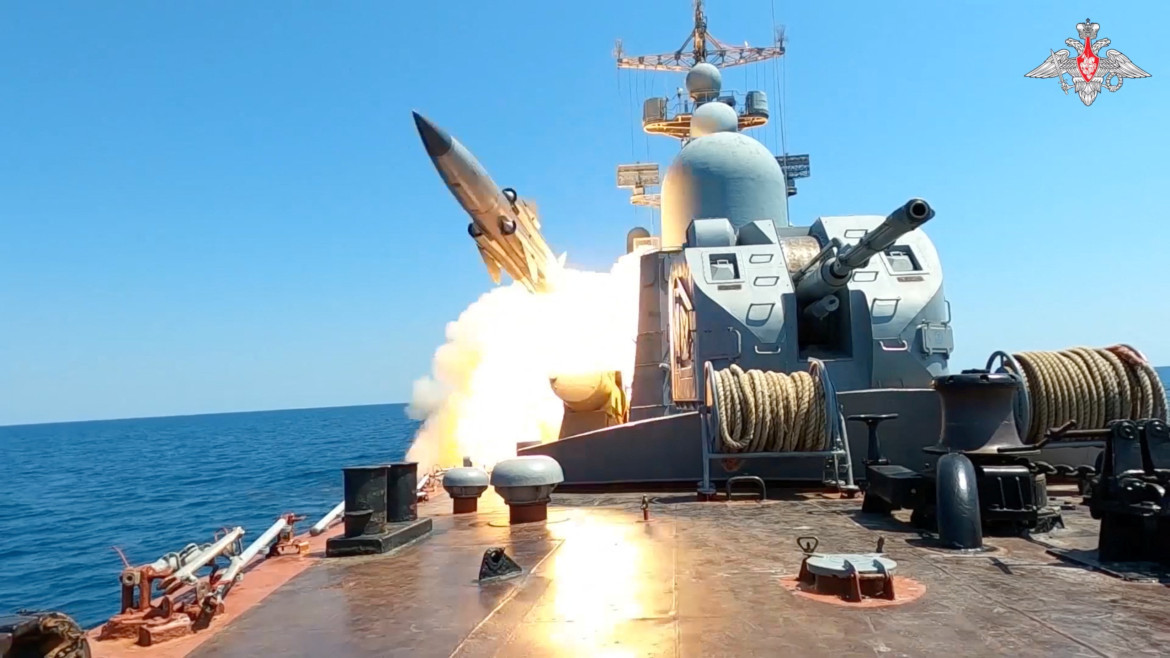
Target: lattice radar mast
pixel 701 56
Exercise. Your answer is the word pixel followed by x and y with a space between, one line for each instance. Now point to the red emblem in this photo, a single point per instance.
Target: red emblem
pixel 1087 62
pixel 1093 56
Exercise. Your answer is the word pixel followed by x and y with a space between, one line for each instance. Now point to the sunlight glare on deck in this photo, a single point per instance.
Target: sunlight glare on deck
pixel 598 583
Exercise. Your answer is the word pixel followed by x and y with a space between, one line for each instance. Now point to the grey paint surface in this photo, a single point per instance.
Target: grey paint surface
pixel 530 470
pixel 722 290
pixel 668 449
pixel 465 476
pixel 724 174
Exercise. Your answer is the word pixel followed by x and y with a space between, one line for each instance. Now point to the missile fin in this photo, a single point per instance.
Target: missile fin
pixel 493 265
pixel 533 270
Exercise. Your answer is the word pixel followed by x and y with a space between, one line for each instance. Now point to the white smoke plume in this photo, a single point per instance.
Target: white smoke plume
pixel 489 387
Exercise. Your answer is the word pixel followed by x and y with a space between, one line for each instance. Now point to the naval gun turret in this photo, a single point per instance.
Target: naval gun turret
pixel 896 300
pixel 813 285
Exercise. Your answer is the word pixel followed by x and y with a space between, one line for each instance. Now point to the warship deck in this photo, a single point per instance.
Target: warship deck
pixel 699 579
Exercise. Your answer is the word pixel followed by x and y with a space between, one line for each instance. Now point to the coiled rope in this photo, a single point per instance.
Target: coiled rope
pixel 1089 385
pixel 56 636
pixel 761 411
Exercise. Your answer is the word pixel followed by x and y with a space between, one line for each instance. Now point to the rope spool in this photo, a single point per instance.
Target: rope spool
pixel 762 411
pixel 1091 386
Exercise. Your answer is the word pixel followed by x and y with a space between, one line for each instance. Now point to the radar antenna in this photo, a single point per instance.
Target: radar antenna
pixel 703 48
pixel 660 117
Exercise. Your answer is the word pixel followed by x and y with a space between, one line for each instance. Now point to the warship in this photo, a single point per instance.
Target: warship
pixel 793 466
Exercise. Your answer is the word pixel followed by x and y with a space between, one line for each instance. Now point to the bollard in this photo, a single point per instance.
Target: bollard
pixel 381 510
pixel 365 500
pixel 401 492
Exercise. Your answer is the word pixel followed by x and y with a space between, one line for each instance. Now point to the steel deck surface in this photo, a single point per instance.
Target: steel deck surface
pixel 700 579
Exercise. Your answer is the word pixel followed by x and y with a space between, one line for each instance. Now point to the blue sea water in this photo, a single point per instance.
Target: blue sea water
pixel 71 491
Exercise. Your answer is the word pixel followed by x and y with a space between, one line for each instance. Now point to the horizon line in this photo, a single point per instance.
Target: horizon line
pixel 255 411
pixel 196 415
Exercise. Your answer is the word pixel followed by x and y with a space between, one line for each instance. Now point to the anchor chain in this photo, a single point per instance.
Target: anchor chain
pixel 1083 474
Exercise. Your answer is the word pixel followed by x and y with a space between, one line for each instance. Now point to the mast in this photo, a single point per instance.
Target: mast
pixel 722 55
pixel 660 117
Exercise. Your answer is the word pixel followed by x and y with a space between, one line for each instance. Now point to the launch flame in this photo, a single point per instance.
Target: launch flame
pixel 489 387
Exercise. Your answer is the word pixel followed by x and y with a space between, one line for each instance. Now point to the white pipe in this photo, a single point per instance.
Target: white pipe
pixel 242 560
pixel 189 569
pixel 320 526
pixel 175 561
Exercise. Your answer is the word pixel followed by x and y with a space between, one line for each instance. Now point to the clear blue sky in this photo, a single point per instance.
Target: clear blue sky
pixel 224 205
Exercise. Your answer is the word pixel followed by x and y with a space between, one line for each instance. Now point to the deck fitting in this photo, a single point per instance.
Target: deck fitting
pixel 525 484
pixel 496 565
pixel 465 485
pixel 527 513
pixel 851 577
pixel 464 505
pixel 395 535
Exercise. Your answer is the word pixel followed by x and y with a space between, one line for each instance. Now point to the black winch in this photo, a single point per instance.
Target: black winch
pixel 978 484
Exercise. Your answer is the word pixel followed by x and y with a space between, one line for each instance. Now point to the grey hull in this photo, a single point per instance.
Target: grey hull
pixel 666 452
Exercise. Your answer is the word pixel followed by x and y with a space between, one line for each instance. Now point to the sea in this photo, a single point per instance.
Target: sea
pixel 72 492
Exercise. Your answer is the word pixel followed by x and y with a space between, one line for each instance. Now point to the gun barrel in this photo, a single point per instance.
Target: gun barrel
pixel 834 273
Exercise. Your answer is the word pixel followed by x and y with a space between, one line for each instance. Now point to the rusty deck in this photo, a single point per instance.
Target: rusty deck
pixel 700 579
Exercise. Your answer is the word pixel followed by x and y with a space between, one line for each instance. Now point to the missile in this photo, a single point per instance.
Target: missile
pixel 506 228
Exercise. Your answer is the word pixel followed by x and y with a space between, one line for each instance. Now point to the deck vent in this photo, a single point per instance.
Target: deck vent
pixel 525 484
pixel 465 485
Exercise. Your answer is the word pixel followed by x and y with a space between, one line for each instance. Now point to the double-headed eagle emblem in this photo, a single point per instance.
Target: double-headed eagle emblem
pixel 1089 70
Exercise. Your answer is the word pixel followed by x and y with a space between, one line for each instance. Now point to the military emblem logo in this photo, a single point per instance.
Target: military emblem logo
pixel 1089 70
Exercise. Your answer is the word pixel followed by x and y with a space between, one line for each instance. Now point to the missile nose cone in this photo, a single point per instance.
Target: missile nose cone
pixel 436 140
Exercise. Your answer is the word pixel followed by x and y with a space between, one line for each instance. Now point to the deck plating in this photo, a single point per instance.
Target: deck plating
pixel 702 580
